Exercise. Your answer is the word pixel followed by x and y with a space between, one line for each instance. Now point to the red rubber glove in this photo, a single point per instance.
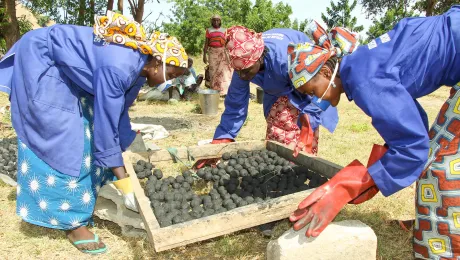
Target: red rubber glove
pixel 201 163
pixel 377 152
pixel 306 136
pixel 321 207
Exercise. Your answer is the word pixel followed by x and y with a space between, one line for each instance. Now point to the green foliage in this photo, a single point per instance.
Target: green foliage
pixel 377 7
pixel 439 7
pixel 265 16
pixel 79 12
pixel 387 22
pixel 24 26
pixel 295 24
pixel 190 18
pixel 42 20
pixel 340 15
pixel 303 24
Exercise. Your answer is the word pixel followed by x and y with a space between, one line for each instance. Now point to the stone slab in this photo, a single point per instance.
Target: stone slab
pixel 349 239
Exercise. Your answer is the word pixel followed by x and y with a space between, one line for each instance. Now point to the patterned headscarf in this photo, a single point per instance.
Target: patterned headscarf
pixel 118 29
pixel 244 47
pixel 306 59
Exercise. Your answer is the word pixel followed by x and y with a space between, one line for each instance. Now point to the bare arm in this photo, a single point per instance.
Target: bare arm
pixel 205 50
pixel 119 172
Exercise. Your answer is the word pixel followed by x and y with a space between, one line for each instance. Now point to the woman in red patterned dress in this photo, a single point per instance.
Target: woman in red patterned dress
pixel 220 72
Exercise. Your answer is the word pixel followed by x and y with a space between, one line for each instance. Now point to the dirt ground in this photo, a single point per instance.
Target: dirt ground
pixel 353 139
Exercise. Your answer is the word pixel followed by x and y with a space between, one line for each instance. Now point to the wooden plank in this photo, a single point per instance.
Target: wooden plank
pixel 206 151
pixel 143 203
pixel 314 163
pixel 227 222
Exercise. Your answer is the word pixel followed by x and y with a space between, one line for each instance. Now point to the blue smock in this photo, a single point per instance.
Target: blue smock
pixel 385 78
pixel 275 82
pixel 47 71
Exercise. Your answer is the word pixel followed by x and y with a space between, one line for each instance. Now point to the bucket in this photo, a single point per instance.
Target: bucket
pixel 209 101
pixel 260 95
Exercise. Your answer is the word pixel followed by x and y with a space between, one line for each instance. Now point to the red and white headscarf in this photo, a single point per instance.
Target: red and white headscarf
pixel 244 47
pixel 306 59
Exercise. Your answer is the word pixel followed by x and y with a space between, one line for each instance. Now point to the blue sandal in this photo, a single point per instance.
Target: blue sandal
pixel 93 252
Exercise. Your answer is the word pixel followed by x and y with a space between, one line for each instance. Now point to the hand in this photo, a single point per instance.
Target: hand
pixel 377 152
pixel 305 142
pixel 125 186
pixel 352 184
pixel 201 163
pixel 130 202
pixel 321 207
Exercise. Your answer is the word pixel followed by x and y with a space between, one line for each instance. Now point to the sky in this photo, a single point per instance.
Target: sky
pixel 301 9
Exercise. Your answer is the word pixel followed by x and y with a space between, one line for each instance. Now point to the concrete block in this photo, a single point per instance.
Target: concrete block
pixel 349 239
pixel 110 207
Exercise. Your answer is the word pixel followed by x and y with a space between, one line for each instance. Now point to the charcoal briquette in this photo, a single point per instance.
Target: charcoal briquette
pixel 226 156
pixel 195 203
pixel 208 176
pixel 201 172
pixel 186 186
pixel 187 174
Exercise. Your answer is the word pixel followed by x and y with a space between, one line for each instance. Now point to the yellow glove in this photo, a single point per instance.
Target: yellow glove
pixel 126 187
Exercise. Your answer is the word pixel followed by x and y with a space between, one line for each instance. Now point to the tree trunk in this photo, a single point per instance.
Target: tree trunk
pixel 110 5
pixel 139 12
pixel 430 7
pixel 92 11
pixel 120 6
pixel 12 27
pixel 81 12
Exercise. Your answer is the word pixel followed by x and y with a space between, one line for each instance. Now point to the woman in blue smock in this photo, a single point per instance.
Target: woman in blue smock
pixel 70 90
pixel 385 78
pixel 261 58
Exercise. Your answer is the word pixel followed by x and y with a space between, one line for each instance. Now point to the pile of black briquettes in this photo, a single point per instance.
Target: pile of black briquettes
pixel 239 179
pixel 9 156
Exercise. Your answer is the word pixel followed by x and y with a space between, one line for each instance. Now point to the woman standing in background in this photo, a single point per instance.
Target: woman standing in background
pixel 220 72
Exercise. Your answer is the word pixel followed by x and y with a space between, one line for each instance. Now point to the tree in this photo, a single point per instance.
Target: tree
pixel 264 16
pixel 190 18
pixel 295 24
pixel 304 23
pixel 434 7
pixel 11 26
pixel 9 23
pixel 340 15
pixel 429 7
pixel 387 22
pixel 79 12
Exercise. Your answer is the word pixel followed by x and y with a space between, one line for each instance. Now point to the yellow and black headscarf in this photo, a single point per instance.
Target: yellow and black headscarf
pixel 118 29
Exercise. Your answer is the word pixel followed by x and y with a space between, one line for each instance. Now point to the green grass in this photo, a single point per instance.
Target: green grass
pixel 353 139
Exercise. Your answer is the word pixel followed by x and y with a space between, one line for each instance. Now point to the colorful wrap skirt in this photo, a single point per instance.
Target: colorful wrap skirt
pixel 48 198
pixel 220 72
pixel 282 125
pixel 437 221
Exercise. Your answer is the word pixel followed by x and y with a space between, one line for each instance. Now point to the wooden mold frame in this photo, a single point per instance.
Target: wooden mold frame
pixel 228 222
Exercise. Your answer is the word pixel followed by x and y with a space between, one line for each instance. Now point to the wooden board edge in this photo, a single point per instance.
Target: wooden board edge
pixel 235 220
pixel 315 163
pixel 206 151
pixel 143 203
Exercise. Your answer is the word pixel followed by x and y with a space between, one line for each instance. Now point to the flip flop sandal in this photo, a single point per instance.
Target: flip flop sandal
pixel 92 252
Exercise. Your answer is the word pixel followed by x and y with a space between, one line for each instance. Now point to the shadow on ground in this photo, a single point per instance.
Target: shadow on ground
pixel 35 231
pixel 167 122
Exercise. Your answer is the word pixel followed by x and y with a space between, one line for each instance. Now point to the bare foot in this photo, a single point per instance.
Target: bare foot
pixel 82 233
